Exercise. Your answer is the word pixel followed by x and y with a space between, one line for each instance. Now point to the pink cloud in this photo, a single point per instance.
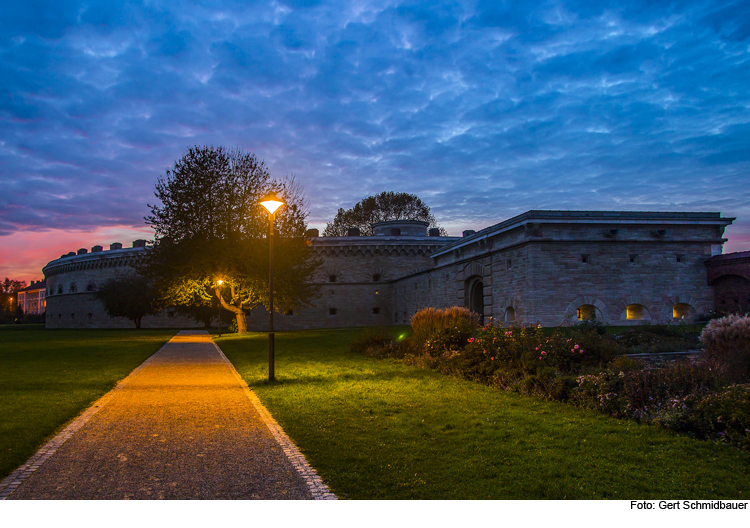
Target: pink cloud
pixel 24 254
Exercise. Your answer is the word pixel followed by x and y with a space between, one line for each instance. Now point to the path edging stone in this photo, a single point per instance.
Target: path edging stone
pixel 315 484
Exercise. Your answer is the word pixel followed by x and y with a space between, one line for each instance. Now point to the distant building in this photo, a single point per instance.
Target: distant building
pixel 547 267
pixel 32 298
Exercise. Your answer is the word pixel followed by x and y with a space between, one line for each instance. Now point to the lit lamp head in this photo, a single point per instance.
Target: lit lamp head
pixel 271 202
pixel 219 282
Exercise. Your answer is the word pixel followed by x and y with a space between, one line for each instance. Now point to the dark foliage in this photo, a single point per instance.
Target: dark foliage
pixel 210 226
pixel 131 296
pixel 379 208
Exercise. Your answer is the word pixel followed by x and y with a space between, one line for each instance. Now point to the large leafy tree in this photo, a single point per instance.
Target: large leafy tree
pixel 210 227
pixel 9 311
pixel 379 208
pixel 129 296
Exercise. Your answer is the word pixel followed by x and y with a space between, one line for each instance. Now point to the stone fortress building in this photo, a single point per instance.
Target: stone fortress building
pixel 547 267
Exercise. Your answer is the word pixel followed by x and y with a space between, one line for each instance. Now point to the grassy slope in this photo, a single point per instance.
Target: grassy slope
pixel 47 377
pixel 378 429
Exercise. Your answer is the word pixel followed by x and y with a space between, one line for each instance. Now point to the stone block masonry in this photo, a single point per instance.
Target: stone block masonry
pixel 547 267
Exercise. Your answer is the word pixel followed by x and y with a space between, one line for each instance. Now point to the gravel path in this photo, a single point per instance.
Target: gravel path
pixel 183 426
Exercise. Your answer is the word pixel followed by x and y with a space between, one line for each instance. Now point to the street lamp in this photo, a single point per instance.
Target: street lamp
pixel 219 282
pixel 271 202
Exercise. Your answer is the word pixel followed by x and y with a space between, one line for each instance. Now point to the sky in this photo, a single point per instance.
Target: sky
pixel 484 109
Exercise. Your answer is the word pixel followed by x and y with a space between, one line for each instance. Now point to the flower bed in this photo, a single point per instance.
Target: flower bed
pixel 584 366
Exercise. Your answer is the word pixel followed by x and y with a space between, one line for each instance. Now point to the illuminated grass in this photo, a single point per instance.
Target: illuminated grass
pixel 48 377
pixel 378 429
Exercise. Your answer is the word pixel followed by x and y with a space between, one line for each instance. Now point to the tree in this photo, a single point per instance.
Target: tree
pixel 9 309
pixel 130 296
pixel 379 208
pixel 210 226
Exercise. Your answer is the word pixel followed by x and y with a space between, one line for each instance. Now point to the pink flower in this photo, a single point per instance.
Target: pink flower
pixel 471 340
pixel 537 348
pixel 492 358
pixel 576 347
pixel 544 353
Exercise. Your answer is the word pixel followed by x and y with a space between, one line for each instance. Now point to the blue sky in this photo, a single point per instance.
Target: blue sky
pixel 483 109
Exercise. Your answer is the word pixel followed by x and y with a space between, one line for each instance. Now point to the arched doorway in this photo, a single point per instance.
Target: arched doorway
pixel 475 297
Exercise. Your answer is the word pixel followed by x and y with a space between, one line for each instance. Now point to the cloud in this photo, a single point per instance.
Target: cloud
pixel 506 106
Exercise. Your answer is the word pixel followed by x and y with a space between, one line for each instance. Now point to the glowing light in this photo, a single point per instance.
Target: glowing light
pixel 271 202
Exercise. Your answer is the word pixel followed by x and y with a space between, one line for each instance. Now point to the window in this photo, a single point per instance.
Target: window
pixel 680 258
pixel 289 312
pixel 510 263
pixel 90 286
pixel 376 311
pixel 332 278
pixel 637 312
pixel 586 312
pixel 634 259
pixel 72 316
pixel 376 277
pixel 59 288
pixel 170 314
pixel 332 311
pixel 59 316
pixel 89 315
pixel 585 259
pixel 73 288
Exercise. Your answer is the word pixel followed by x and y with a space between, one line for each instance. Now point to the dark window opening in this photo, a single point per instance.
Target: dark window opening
pixel 376 277
pixel 89 315
pixel 585 259
pixel 332 278
pixel 332 311
pixel 170 314
pixel 680 258
pixel 72 316
pixel 375 311
pixel 510 263
pixel 289 312
pixel 634 259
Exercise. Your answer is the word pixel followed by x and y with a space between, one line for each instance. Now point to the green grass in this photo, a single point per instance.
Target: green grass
pixel 48 377
pixel 376 429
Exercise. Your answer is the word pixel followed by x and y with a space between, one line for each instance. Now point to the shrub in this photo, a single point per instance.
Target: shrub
pixel 427 323
pixel 724 416
pixel 726 343
pixel 374 342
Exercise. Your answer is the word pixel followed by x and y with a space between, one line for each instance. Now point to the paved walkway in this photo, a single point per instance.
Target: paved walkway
pixel 181 426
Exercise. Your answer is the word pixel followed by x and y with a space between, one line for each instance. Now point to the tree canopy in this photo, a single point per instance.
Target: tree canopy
pixel 129 296
pixel 380 208
pixel 210 226
pixel 9 309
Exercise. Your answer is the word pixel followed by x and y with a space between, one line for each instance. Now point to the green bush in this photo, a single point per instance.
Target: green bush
pixel 726 343
pixel 724 415
pixel 374 342
pixel 427 323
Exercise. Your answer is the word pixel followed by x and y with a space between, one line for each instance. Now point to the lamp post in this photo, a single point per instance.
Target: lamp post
pixel 219 282
pixel 271 202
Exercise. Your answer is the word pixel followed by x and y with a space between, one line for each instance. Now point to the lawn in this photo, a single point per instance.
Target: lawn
pixel 376 429
pixel 48 377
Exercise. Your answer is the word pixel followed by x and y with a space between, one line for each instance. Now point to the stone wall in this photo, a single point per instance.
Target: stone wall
pixel 547 267
pixel 552 267
pixel 72 281
pixel 729 276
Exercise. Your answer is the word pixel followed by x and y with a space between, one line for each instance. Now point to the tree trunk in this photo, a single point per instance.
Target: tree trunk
pixel 237 311
pixel 137 322
pixel 241 323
